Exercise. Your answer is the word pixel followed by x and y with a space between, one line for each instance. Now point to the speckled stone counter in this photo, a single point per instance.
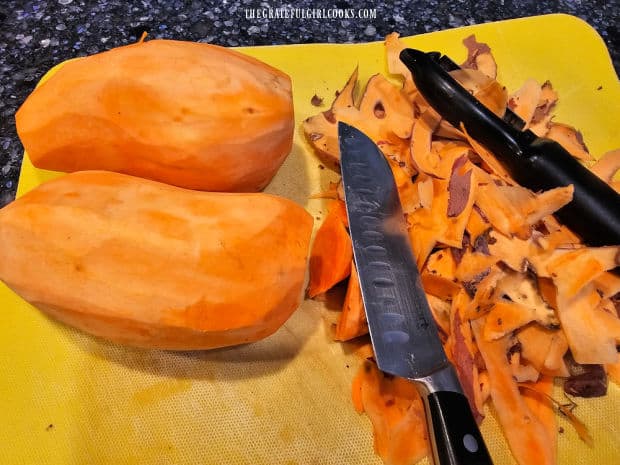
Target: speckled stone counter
pixel 35 35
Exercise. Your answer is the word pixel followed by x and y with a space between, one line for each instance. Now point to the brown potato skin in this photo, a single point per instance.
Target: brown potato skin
pixel 147 264
pixel 188 114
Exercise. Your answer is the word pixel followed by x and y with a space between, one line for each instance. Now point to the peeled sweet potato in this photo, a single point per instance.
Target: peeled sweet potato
pixel 147 264
pixel 188 114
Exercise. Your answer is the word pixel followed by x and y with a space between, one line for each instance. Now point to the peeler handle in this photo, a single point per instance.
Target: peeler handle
pixel 534 162
pixel 594 212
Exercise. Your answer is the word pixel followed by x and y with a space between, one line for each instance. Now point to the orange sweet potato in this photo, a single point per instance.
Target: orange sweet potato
pixel 193 115
pixel 396 412
pixel 148 264
pixel 352 322
pixel 332 252
pixel 524 431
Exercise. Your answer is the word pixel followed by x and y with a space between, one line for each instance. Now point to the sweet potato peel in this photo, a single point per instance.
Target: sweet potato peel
pixel 514 293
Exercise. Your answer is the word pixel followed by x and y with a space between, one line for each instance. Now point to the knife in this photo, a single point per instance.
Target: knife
pixel 534 162
pixel 402 329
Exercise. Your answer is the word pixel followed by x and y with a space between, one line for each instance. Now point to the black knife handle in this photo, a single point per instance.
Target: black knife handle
pixel 454 435
pixel 457 439
pixel 534 162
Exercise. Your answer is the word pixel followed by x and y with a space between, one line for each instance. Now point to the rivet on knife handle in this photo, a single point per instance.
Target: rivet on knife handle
pixel 534 162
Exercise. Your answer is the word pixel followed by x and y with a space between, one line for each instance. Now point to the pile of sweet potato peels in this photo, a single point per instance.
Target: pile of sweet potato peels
pixel 519 301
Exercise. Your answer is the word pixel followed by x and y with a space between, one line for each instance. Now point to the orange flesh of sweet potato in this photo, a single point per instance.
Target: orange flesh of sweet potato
pixel 544 349
pixel 424 159
pixel 569 138
pixel 388 128
pixel 525 100
pixel 322 131
pixel 607 166
pixel 573 269
pixel 592 335
pixel 154 265
pixel 352 322
pixel 396 412
pixel 437 276
pixel 525 433
pixel 188 114
pixel 462 352
pixel 479 57
pixel 332 253
pixel 542 407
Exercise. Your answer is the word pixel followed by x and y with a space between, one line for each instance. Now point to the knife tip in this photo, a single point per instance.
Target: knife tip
pixel 344 128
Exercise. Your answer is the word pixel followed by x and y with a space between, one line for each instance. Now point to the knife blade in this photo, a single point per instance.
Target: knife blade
pixel 535 162
pixel 403 332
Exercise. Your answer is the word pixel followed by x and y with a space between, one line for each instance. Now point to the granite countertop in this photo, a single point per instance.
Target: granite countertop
pixel 36 35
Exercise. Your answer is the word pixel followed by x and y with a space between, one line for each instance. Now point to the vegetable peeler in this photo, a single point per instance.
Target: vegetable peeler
pixel 534 162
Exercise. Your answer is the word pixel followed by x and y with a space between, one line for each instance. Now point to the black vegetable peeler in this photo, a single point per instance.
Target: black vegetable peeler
pixel 534 162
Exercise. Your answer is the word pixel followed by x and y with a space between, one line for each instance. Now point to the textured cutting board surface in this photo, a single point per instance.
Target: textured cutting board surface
pixel 68 398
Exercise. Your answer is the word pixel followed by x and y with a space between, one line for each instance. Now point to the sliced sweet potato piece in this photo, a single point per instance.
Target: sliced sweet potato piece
pixel 521 372
pixel 505 317
pixel 462 186
pixel 534 207
pixel 544 348
pixel 424 159
pixel 448 152
pixel 607 284
pixel 571 270
pixel 525 433
pixel 386 108
pixel 473 264
pixel 331 254
pixel 488 159
pixel 541 119
pixel 607 166
pixel 352 322
pixel 521 288
pixel 537 398
pixel 517 253
pixel 425 190
pixel 463 353
pixel 477 223
pixel 427 225
pixel 479 57
pixel 438 275
pixel 569 138
pixel 397 415
pixel 383 113
pixel 322 131
pixel 441 310
pixel 408 192
pixel 592 334
pixel 486 90
pixel 483 290
pixel 498 208
pixel 525 100
pixel 393 47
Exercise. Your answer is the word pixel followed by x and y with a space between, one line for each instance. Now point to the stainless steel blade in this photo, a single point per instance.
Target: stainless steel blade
pixel 402 329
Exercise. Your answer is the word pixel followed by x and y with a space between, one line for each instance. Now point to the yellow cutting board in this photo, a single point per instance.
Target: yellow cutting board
pixel 68 398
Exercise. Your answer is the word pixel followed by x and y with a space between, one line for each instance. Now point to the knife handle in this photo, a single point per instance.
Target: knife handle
pixel 454 435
